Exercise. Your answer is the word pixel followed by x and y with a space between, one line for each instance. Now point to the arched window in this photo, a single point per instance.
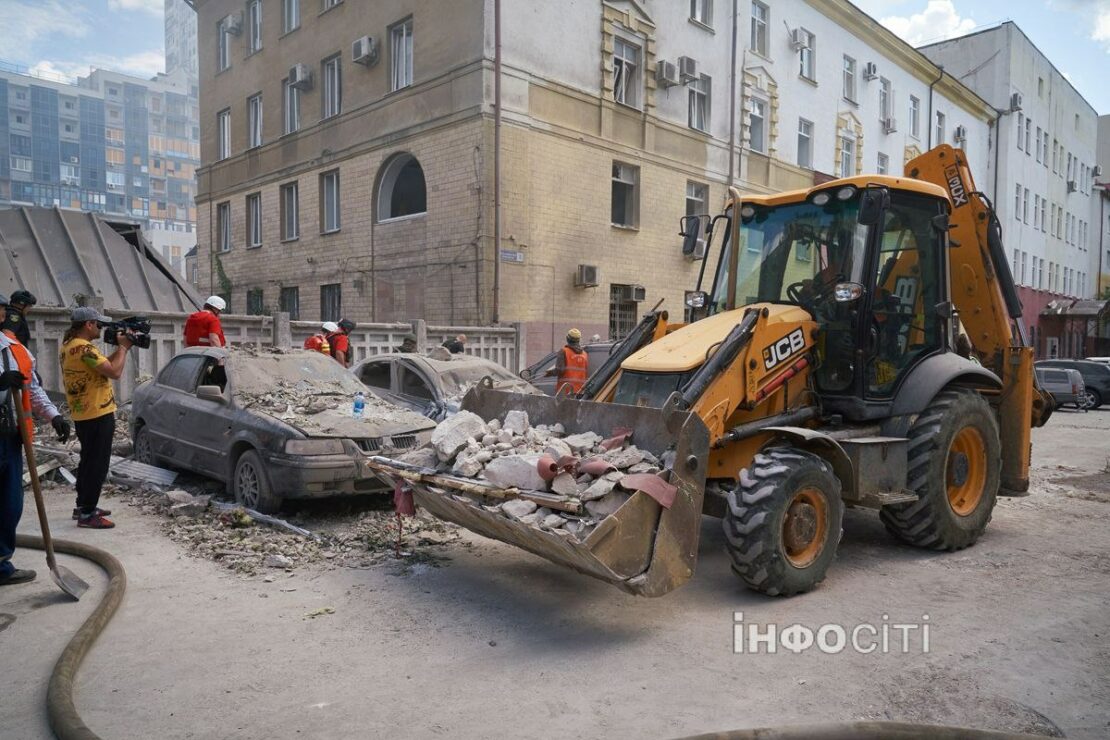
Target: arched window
pixel 402 191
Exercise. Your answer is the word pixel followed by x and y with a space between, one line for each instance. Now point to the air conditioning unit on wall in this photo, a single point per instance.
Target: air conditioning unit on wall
pixel 666 74
pixel 365 51
pixel 890 125
pixel 586 277
pixel 1072 186
pixel 1015 102
pixel 960 134
pixel 634 293
pixel 233 24
pixel 300 77
pixel 870 71
pixel 799 39
pixel 688 68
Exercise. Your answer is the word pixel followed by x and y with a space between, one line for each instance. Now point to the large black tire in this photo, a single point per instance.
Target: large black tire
pixel 251 487
pixel 783 522
pixel 954 467
pixel 143 451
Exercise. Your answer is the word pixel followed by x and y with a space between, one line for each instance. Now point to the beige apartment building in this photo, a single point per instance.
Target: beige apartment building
pixel 349 147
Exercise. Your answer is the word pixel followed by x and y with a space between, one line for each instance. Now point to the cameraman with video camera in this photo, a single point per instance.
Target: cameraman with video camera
pixel 87 376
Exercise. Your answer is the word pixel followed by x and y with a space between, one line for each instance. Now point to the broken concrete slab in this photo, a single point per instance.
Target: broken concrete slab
pixel 424 457
pixel 582 442
pixel 598 489
pixel 564 485
pixel 557 448
pixel 516 421
pixel 607 505
pixel 626 458
pixel 275 560
pixel 518 508
pixel 453 433
pixel 515 471
pixel 552 521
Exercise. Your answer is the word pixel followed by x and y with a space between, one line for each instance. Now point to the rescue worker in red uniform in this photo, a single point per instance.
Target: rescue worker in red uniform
pixel 319 342
pixel 340 343
pixel 202 329
pixel 571 365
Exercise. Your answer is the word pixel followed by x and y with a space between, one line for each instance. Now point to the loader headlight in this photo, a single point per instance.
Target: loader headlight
pixel 847 292
pixel 846 193
pixel 314 447
pixel 821 199
pixel 696 298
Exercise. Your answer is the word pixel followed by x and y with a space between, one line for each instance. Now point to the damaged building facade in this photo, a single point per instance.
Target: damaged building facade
pixel 349 148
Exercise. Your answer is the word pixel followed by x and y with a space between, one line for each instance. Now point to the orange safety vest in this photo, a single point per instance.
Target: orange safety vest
pixel 23 362
pixel 318 343
pixel 575 372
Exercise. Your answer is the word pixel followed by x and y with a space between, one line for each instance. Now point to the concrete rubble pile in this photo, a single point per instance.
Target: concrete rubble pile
pixel 510 453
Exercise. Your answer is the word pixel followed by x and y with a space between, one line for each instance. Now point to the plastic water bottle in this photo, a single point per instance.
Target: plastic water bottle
pixel 360 405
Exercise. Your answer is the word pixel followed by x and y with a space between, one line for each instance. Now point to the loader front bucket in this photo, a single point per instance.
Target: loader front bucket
pixel 643 548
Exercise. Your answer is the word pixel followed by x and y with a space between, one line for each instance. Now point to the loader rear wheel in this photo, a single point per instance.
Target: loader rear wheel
pixel 783 521
pixel 954 467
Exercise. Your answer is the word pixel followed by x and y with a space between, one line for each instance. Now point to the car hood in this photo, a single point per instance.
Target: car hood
pixel 324 417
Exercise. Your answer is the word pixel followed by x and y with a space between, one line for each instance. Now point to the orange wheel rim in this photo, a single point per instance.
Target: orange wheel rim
pixel 804 527
pixel 966 474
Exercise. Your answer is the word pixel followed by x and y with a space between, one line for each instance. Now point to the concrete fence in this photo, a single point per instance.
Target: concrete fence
pixel 503 345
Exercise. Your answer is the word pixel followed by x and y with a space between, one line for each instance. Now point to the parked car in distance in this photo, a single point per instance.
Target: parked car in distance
pixel 1096 378
pixel 432 387
pixel 1103 360
pixel 271 425
pixel 536 374
pixel 1066 386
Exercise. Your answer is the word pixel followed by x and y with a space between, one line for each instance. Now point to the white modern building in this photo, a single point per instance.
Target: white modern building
pixel 181 37
pixel 1043 175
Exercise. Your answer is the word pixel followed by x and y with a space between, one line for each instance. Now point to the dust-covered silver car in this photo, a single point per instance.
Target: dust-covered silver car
pixel 433 387
pixel 271 425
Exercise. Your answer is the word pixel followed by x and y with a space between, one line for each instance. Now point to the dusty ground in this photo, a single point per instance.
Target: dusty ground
pixel 496 642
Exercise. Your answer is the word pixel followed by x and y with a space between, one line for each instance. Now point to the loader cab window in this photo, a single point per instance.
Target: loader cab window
pixel 908 284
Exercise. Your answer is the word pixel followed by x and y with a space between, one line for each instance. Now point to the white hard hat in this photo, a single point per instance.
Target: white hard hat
pixel 216 302
pixel 330 326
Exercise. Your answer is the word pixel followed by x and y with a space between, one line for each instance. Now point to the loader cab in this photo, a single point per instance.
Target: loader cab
pixel 866 258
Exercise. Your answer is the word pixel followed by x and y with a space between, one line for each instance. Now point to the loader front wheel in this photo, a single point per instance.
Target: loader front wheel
pixel 783 522
pixel 954 467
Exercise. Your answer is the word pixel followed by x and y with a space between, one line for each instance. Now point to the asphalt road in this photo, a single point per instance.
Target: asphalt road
pixel 500 643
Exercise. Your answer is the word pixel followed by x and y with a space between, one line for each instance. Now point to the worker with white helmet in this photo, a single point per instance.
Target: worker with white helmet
pixel 202 329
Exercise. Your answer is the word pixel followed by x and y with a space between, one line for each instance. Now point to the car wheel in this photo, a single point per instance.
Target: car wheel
pixel 144 451
pixel 251 485
pixel 1094 398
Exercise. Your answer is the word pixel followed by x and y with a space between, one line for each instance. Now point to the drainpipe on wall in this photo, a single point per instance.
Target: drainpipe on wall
pixel 211 251
pixel 997 149
pixel 496 161
pixel 931 86
pixel 1101 231
pixel 732 105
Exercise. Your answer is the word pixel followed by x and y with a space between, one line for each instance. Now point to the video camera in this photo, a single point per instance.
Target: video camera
pixel 136 328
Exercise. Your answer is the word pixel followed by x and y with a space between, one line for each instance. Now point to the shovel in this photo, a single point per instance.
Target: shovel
pixel 66 579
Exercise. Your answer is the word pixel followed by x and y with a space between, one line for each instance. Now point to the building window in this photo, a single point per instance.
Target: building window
pixel 223 47
pixel 940 128
pixel 883 164
pixel 254 220
pixel 400 38
pixel 761 16
pixel 223 134
pixel 290 212
pixel 847 156
pixel 1020 130
pixel 1028 136
pixel 757 126
pixel 1024 255
pixel 21 164
pixel 291 106
pixel 290 15
pixel 622 311
pixel 1017 201
pixel 702 11
pixel 1055 156
pixel 254 121
pixel 329 202
pixel 807 56
pixel 1037 143
pixel 805 143
pixel 1025 206
pixel 698 115
pixel 849 79
pixel 402 191
pixel 289 301
pixel 1044 208
pixel 329 4
pixel 255 302
pixel 696 196
pixel 254 26
pixel 625 185
pixel 331 302
pixel 885 100
pixel 333 87
pixel 626 73
pixel 1036 211
pixel 223 226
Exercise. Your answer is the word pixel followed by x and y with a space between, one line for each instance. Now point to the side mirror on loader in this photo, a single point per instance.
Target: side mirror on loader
pixel 874 201
pixel 690 233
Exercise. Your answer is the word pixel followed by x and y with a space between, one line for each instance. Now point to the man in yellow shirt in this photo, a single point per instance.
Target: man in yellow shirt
pixel 87 376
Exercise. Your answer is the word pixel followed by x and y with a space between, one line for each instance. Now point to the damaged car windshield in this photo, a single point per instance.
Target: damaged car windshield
pixel 310 372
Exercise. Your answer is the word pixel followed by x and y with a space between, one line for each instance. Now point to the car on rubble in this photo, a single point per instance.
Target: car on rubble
pixel 536 374
pixel 273 425
pixel 430 386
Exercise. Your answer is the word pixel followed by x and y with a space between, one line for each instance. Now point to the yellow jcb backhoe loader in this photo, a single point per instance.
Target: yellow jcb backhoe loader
pixel 828 367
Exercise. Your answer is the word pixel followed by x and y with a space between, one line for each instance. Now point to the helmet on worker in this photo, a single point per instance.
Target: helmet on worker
pixel 215 303
pixel 330 327
pixel 574 336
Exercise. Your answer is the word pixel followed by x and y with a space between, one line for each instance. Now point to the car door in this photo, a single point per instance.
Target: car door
pixel 207 424
pixel 415 389
pixel 162 417
pixel 378 376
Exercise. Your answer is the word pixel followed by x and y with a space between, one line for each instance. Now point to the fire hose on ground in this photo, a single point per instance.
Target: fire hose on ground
pixel 67 724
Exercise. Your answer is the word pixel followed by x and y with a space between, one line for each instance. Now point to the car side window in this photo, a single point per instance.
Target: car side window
pixel 376 375
pixel 414 385
pixel 1056 376
pixel 182 373
pixel 214 373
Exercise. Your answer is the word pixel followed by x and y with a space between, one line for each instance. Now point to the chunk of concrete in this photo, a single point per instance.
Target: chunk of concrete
pixel 424 457
pixel 178 496
pixel 467 466
pixel 504 436
pixel 518 508
pixel 607 505
pixel 553 521
pixel 598 489
pixel 453 433
pixel 626 458
pixel 515 471
pixel 557 448
pixel 516 421
pixel 564 485
pixel 275 560
pixel 583 441
pixel 494 425
pixel 643 467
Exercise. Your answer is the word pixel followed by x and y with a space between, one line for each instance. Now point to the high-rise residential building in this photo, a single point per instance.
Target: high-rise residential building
pixel 181 37
pixel 349 147
pixel 1042 175
pixel 111 143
